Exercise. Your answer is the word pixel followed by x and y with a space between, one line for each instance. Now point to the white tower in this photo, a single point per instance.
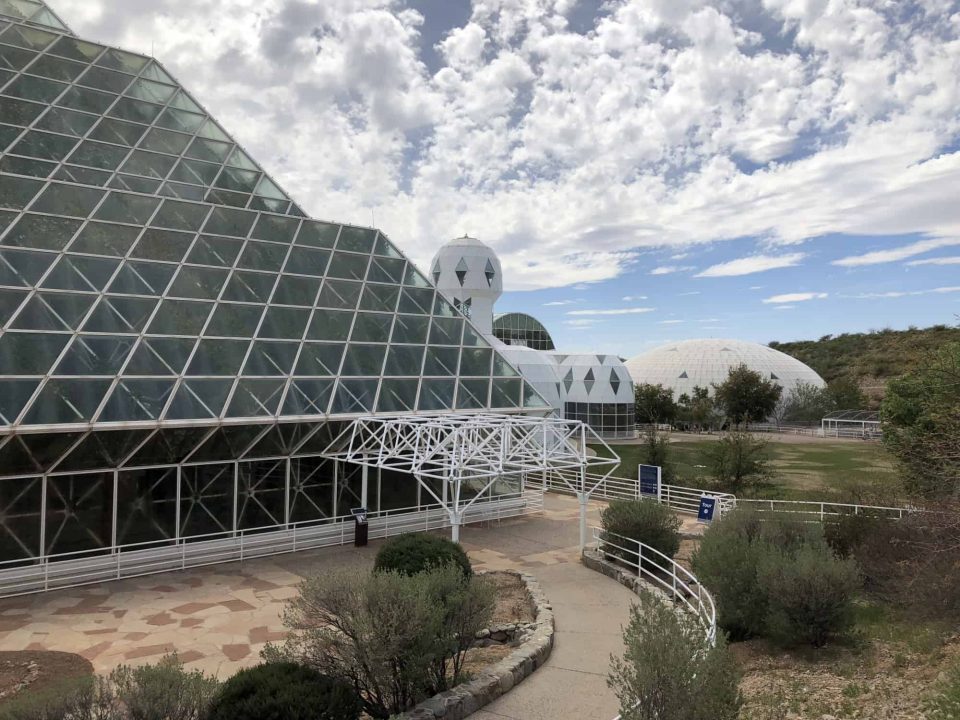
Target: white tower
pixel 468 274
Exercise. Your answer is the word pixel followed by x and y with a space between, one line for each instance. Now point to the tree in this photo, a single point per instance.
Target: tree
pixel 807 403
pixel 655 450
pixel 845 394
pixel 921 424
pixel 698 409
pixel 654 404
pixel 745 396
pixel 738 460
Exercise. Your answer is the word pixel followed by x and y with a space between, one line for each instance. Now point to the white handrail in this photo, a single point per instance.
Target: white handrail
pixel 824 509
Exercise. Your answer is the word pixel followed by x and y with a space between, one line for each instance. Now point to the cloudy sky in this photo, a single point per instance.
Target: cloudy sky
pixel 647 169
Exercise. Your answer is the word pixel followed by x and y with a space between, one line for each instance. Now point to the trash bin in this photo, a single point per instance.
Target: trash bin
pixel 361 528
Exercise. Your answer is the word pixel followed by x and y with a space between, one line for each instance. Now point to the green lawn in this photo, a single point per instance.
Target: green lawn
pixel 814 470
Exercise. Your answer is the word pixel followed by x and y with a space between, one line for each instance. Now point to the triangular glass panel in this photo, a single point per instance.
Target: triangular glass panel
pixel 66 401
pixel 160 356
pixel 398 395
pixel 589 380
pixel 137 399
pixel 568 380
pixel 614 381
pixel 461 271
pixel 256 398
pixel 14 397
pixel 490 273
pixel 354 396
pixel 102 449
pixel 683 375
pixel 308 397
pixel 533 399
pixel 199 399
pixel 773 376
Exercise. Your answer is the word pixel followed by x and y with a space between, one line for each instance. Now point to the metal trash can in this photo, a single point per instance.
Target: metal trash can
pixel 361 527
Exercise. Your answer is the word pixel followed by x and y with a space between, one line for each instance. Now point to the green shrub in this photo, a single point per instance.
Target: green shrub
pixel 670 670
pixel 284 691
pixel 416 552
pixel 809 594
pixel 647 521
pixel 72 699
pixel 847 534
pixel 737 461
pixel 165 691
pixel 944 702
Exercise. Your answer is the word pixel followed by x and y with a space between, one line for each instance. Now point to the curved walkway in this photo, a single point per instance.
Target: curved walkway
pixel 590 611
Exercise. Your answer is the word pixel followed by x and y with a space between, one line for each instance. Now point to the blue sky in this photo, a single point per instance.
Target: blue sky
pixel 757 169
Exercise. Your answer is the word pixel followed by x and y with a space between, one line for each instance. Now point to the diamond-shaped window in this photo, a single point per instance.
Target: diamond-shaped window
pixel 589 380
pixel 490 273
pixel 614 381
pixel 461 271
pixel 683 375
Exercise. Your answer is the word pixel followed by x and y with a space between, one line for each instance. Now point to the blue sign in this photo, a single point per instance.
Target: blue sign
pixel 707 506
pixel 649 480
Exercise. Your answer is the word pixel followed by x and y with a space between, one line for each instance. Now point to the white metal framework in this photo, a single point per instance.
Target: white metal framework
pixel 852 423
pixel 457 458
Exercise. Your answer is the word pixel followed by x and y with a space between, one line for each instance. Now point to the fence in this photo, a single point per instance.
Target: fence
pixel 852 433
pixel 76 569
pixel 824 510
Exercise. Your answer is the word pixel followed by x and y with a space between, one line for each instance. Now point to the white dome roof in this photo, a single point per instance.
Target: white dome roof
pixel 691 363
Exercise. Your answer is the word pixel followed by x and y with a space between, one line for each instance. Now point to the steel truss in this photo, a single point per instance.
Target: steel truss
pixel 480 449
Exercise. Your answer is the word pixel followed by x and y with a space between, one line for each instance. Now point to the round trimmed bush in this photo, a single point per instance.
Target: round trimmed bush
pixel 284 691
pixel 414 553
pixel 648 522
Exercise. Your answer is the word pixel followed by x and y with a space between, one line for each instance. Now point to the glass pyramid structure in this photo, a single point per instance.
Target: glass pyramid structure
pixel 176 336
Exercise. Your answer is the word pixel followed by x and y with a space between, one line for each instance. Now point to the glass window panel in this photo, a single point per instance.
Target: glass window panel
pixel 532 399
pixel 269 189
pixel 218 357
pixel 79 513
pixel 118 131
pixel 151 91
pixel 475 361
pixel 356 239
pixel 70 47
pixel 120 315
pixel 199 399
pixel 98 155
pixel 249 287
pixel 506 393
pixel 64 199
pixel 416 300
pixel 30 353
pixel 155 72
pixel 165 141
pixel 201 283
pixel 134 183
pixel 185 192
pixel 446 331
pixel 363 360
pixel 275 228
pixel 77 272
pixel 162 244
pixel 66 401
pixel 441 361
pixel 23 268
pixel 227 197
pixel 442 308
pixel 236 179
pixel 410 329
pixel 19 112
pixel 15 193
pixel 501 368
pixel 348 266
pixel 212 250
pixel 354 396
pixel 160 356
pixel 295 290
pixel 46 17
pixel 34 88
pixel 135 110
pixel 170 445
pixel 26 166
pixel 103 79
pixel 271 358
pixel 262 256
pixel 146 503
pixel 379 297
pixel 41 231
pixel 53 311
pixel 241 160
pixel 44 145
pixel 149 164
pixel 211 130
pixel 86 99
pixel 10 301
pixel 226 221
pixel 385 247
pixel 142 278
pixel 267 205
pixel 180 317
pixel 56 68
pixel 14 58
pixel 194 171
pixel 472 339
pixel 386 270
pixel 330 325
pixel 372 327
pixel 232 320
pixel 95 355
pixel 339 294
pixel 81 175
pixel 284 323
pixel 317 234
pixel 66 121
pixel 120 60
pixel 28 37
pixel 404 360
pixel 206 500
pixel 174 119
pixel 307 261
pixel 320 359
pixel 209 150
pixel 308 397
pixel 398 395
pixel 256 398
pixel 262 488
pixel 472 394
pixel 436 395
pixel 21 499
pixel 7 135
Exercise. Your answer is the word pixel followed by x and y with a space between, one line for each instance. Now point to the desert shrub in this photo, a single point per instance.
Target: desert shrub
pixel 768 572
pixel 809 594
pixel 649 522
pixel 413 553
pixel 284 691
pixel 394 638
pixel 670 670
pixel 72 699
pixel 738 460
pixel 656 450
pixel 944 702
pixel 847 533
pixel 165 691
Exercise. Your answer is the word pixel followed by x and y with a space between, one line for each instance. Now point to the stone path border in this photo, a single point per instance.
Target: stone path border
pixel 466 698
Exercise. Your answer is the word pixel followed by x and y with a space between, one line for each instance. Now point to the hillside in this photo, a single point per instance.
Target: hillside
pixel 870 359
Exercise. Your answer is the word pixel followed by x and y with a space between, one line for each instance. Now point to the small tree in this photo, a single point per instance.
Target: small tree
pixel 738 460
pixel 655 450
pixel 670 670
pixel 807 403
pixel 845 394
pixel 698 409
pixel 745 396
pixel 654 404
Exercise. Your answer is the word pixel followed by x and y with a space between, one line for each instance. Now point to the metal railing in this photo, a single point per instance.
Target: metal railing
pixel 825 510
pixel 84 568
